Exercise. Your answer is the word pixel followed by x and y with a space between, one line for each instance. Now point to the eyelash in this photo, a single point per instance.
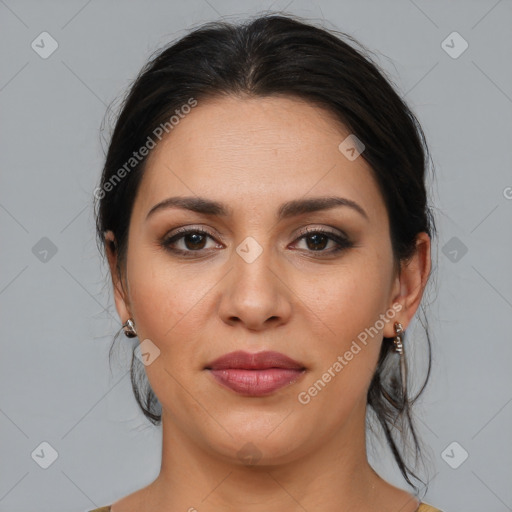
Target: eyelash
pixel 341 241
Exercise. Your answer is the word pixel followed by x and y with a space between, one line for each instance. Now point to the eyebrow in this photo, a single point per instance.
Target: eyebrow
pixel 289 209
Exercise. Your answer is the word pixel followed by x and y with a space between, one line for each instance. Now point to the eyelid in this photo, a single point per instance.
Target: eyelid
pixel 325 229
pixel 189 228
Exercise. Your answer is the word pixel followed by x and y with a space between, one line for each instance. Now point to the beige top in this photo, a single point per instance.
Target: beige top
pixel 424 507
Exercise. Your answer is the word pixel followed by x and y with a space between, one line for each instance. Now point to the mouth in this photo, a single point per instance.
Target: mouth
pixel 256 374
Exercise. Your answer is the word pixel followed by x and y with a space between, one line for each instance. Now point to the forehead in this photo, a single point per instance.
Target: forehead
pixel 254 151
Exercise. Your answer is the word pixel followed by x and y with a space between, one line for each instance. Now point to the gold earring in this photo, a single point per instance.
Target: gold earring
pixel 399 347
pixel 129 329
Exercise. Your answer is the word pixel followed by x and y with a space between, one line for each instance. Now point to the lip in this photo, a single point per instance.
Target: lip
pixel 254 361
pixel 255 374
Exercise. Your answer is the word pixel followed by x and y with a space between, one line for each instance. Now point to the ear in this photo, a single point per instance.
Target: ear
pixel 120 295
pixel 410 284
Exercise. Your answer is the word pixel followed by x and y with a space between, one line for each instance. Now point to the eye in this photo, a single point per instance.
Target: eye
pixel 316 240
pixel 193 240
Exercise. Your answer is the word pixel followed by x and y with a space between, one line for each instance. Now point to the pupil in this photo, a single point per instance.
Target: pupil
pixel 316 238
pixel 196 241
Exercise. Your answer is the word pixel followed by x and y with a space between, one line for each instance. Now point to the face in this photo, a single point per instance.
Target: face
pixel 309 283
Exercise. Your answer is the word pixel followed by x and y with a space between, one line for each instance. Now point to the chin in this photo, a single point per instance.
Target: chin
pixel 259 443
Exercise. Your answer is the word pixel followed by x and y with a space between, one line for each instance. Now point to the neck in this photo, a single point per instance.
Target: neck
pixel 334 476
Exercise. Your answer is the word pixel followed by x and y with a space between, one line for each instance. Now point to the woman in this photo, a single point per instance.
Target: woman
pixel 264 214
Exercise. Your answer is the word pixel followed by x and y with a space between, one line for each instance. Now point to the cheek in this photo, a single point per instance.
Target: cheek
pixel 173 308
pixel 157 300
pixel 168 307
pixel 161 293
pixel 349 298
pixel 350 303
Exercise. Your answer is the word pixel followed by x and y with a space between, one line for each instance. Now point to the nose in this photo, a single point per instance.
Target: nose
pixel 255 293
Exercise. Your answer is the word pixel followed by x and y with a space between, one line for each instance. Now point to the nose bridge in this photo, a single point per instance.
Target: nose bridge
pixel 253 272
pixel 254 291
pixel 253 253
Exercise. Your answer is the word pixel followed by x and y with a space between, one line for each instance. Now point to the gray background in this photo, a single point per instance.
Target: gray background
pixel 57 314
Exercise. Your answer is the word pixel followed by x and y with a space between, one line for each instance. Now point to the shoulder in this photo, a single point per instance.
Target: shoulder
pixel 425 507
pixel 101 509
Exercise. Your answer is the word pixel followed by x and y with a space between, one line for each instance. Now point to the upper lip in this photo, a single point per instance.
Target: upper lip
pixel 254 361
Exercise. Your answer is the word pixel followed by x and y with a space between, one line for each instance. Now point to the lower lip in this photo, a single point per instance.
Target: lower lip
pixel 256 382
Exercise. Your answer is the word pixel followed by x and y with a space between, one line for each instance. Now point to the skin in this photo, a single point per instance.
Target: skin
pixel 253 155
